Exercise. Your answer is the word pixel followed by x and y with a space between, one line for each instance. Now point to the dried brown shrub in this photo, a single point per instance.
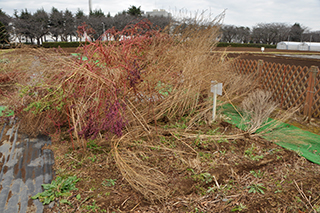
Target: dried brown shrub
pixel 258 107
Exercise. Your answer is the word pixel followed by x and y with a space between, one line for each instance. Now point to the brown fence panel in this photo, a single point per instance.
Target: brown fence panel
pixel 245 67
pixel 291 86
pixel 315 110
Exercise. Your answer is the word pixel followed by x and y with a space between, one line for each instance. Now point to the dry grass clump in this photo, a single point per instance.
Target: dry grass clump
pixel 258 107
pixel 147 180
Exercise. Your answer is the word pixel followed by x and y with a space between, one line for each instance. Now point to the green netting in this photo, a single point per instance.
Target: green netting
pixel 305 143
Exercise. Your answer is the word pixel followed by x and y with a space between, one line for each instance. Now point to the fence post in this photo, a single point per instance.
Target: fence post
pixel 259 70
pixel 310 92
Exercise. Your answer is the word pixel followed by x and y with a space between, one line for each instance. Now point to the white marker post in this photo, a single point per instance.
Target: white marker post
pixel 216 88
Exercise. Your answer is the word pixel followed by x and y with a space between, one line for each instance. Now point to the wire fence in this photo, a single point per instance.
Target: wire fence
pixel 291 86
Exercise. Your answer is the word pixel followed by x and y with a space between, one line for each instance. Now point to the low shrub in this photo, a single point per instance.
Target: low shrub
pixel 62 44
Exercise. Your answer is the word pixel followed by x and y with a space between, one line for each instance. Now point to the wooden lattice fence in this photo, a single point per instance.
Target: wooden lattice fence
pixel 291 86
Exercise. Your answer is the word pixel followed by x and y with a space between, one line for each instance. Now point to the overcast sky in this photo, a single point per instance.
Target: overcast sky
pixel 239 12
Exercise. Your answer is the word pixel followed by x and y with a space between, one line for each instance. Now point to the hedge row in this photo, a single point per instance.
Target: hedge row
pixel 225 44
pixel 61 44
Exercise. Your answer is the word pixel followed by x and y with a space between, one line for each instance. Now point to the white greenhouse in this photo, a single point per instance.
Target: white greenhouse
pixel 301 46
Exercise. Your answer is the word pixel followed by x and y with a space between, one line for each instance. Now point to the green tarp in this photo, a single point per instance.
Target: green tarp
pixel 305 143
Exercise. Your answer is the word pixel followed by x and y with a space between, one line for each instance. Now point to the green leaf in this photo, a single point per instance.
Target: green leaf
pixel 46 193
pixel 78 196
pixel 47 200
pixel 47 186
pixel 35 197
pixel 261 191
pixel 65 201
pixel 251 190
pixel 60 187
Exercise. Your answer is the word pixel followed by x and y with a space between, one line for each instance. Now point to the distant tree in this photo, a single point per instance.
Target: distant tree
pixel 22 24
pixel 96 23
pixel 4 35
pixel 97 20
pixel 122 13
pixel 85 29
pixel 312 36
pixel 160 21
pixel 121 20
pixel 80 18
pixel 134 11
pixel 243 34
pixel 56 23
pixel 315 36
pixel 39 25
pixel 5 19
pixel 97 13
pixel 79 14
pixel 6 26
pixel 69 25
pixel 229 33
pixel 296 32
pixel 283 32
pixel 269 33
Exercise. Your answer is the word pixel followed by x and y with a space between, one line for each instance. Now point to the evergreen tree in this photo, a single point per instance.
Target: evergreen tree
pixel 134 11
pixel 296 32
pixel 4 36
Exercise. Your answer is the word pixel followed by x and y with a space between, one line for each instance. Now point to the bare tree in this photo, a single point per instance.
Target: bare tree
pixel 243 34
pixel 80 18
pixel 229 33
pixel 22 24
pixel 160 21
pixel 6 26
pixel 39 25
pixel 122 19
pixel 97 21
pixel 269 33
pixel 283 33
pixel 311 36
pixel 5 20
pixel 69 25
pixel 56 23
